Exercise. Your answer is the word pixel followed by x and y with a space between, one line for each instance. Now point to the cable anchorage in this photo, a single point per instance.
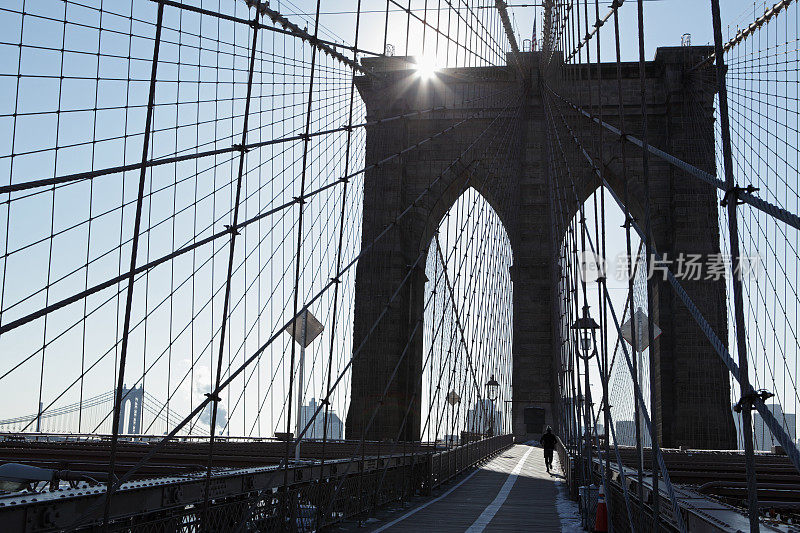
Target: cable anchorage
pixel 212 397
pixel 734 193
pixel 748 400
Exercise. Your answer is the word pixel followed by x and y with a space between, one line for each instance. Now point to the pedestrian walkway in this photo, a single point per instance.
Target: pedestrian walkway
pixel 512 492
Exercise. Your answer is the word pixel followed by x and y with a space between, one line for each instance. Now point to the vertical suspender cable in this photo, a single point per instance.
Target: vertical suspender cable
pixel 648 257
pixel 213 395
pixel 601 280
pixel 629 251
pixel 131 275
pixel 738 304
pixel 298 259
pixel 342 215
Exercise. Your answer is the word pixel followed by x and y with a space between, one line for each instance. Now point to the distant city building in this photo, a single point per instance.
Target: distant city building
pixel 451 440
pixel 762 436
pixel 626 433
pixel 335 426
pixel 480 418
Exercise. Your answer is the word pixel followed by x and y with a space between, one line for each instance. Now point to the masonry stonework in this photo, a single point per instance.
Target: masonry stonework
pixel 498 145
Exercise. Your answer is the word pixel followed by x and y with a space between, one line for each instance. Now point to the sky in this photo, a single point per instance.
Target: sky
pixel 206 77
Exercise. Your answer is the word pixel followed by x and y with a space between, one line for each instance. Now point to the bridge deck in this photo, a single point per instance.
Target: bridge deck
pixel 512 492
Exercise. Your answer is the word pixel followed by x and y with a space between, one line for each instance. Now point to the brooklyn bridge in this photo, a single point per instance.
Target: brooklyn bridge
pixel 445 265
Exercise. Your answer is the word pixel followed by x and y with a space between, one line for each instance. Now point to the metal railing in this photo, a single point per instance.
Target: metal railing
pixel 448 464
pixel 698 511
pixel 253 499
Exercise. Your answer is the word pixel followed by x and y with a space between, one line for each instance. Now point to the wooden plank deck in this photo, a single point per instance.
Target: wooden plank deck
pixel 492 498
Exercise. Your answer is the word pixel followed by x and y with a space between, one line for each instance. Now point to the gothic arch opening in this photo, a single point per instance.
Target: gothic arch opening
pixel 468 323
pixel 587 252
pixel 680 358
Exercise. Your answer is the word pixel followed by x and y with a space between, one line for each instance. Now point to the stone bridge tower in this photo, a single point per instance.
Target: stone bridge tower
pixel 691 404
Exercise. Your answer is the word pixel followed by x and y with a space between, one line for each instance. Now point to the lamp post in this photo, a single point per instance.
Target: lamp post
pixel 636 331
pixel 453 399
pixel 304 329
pixel 492 391
pixel 585 327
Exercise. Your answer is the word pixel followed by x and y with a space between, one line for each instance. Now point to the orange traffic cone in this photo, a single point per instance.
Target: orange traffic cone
pixel 601 517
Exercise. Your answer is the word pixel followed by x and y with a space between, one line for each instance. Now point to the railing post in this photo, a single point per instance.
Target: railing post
pixel 429 487
pixel 738 302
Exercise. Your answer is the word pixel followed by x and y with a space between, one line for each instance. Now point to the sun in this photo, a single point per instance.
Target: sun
pixel 426 67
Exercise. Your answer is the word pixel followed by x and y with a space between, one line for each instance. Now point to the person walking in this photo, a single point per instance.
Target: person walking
pixel 548 442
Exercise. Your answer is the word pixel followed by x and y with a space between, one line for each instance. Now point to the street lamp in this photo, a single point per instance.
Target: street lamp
pixel 586 342
pixel 492 391
pixel 585 327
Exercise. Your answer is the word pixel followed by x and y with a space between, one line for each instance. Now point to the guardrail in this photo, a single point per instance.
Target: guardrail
pixel 16 436
pixel 699 512
pixel 253 499
pixel 568 465
pixel 446 465
pixel 177 456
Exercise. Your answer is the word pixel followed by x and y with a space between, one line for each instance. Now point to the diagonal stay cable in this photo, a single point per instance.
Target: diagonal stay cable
pixel 90 510
pixel 769 419
pixel 637 389
pixel 108 283
pixel 762 205
pixel 387 306
pixel 80 176
pixel 458 321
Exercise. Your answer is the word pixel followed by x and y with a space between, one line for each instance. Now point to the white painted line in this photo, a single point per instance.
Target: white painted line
pixel 491 509
pixel 424 505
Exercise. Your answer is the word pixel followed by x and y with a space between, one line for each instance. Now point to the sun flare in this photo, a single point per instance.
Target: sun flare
pixel 426 67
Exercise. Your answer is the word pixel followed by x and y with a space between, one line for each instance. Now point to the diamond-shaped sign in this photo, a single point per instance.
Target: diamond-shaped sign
pixel 313 329
pixel 453 397
pixel 642 334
